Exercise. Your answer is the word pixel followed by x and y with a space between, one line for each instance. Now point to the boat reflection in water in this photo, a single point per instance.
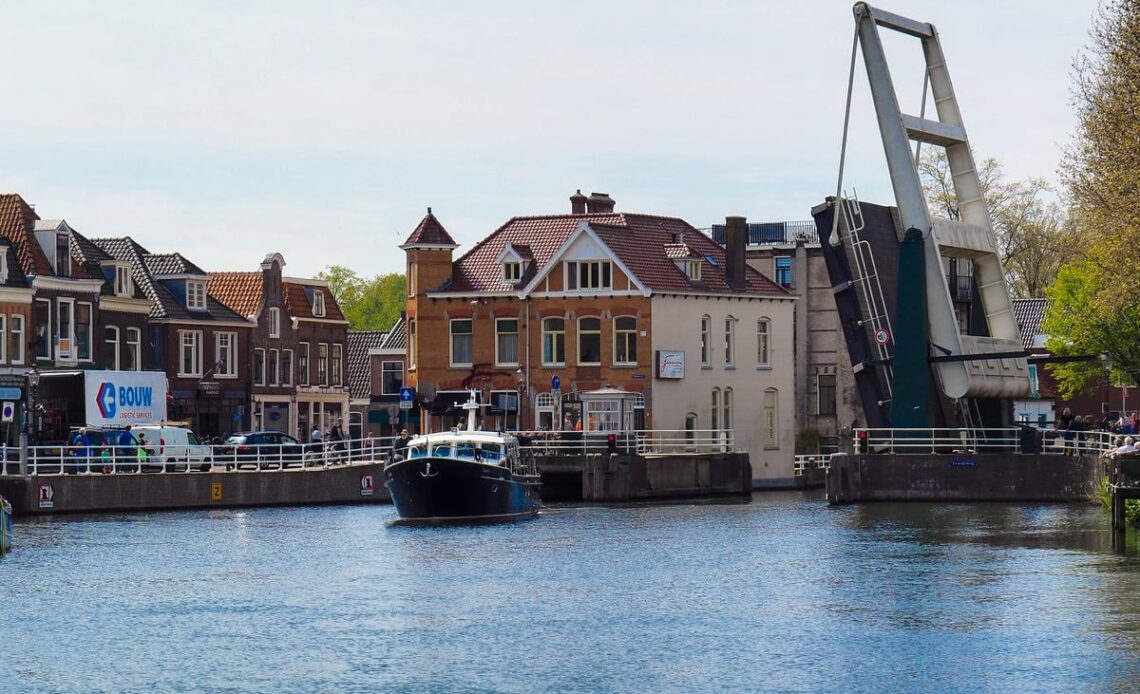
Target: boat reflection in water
pixel 463 477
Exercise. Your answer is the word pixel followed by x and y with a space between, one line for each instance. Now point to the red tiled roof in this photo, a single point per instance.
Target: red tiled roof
pixel 16 222
pixel 298 304
pixel 430 232
pixel 640 241
pixel 240 291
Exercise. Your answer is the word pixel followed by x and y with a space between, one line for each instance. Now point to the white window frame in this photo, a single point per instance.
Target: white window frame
pixel 553 333
pixel 124 285
pixel 582 333
pixel 693 270
pixel 19 349
pixel 134 336
pixel 625 332
pixel 3 338
pixel 336 365
pixel 190 339
pixel 258 366
pixel 512 271
pixel 305 351
pixel 274 322
pixel 499 334
pixel 59 304
pixel 196 295
pixel 572 275
pixel 451 335
pixel 411 345
pixel 273 367
pixel 49 336
pixel 287 373
pixel 384 370
pixel 318 303
pixel 706 341
pixel 226 342
pixel 763 343
pixel 113 345
pixel 726 405
pixel 90 331
pixel 322 363
pixel 729 342
pixel 714 411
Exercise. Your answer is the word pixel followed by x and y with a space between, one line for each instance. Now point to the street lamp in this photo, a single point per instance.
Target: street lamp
pixel 1106 364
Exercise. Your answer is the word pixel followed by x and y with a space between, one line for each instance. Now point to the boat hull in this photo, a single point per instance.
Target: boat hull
pixel 444 490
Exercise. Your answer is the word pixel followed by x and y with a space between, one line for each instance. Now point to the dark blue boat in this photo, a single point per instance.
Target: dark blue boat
pixel 463 477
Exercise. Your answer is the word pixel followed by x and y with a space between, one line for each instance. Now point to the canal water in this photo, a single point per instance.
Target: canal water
pixel 780 594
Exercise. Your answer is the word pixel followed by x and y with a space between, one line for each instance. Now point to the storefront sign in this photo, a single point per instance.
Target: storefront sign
pixel 124 397
pixel 210 389
pixel 670 364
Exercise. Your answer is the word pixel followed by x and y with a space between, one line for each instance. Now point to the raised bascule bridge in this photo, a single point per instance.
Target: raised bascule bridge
pixel 926 315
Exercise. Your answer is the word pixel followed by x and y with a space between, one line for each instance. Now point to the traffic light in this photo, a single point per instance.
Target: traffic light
pixel 863 441
pixel 611 443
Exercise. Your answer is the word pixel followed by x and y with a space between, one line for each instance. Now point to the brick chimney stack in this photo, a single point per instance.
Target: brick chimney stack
pixel 736 233
pixel 578 203
pixel 600 203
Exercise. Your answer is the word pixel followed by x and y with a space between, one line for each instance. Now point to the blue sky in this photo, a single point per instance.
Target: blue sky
pixel 228 130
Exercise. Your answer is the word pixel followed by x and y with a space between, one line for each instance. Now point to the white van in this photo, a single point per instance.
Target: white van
pixel 174 448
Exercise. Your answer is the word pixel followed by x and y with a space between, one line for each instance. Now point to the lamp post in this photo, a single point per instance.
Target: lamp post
pixel 1106 363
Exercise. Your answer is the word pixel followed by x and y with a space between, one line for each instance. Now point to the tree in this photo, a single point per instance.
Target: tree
pixel 1032 233
pixel 367 304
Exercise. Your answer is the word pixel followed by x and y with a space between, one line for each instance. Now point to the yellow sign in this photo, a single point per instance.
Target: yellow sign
pixel 216 491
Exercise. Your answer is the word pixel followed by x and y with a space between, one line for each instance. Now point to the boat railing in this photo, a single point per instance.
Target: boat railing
pixel 643 442
pixel 920 441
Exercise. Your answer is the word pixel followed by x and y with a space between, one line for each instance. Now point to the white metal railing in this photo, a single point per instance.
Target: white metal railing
pixel 642 442
pixel 917 441
pixel 803 463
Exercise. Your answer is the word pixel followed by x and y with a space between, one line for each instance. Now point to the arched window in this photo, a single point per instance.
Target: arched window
pixel 763 347
pixel 690 427
pixel 729 342
pixel 706 341
pixel 715 410
pixel 726 409
pixel 553 341
pixel 771 419
pixel 589 341
pixel 625 340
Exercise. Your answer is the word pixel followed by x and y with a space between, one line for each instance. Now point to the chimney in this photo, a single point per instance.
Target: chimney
pixel 578 203
pixel 600 203
pixel 736 232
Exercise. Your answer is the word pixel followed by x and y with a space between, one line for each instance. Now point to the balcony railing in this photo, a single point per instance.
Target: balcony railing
pixel 772 233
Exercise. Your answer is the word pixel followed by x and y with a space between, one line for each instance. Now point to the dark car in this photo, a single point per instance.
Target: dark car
pixel 98 449
pixel 267 450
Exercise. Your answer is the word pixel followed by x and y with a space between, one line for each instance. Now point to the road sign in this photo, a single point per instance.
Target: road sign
pixel 47 496
pixel 882 336
pixel 556 385
pixel 11 393
pixel 7 412
pixel 407 397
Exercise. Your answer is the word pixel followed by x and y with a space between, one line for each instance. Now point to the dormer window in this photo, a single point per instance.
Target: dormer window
pixel 512 271
pixel 588 275
pixel 196 295
pixel 123 284
pixel 319 304
pixel 62 256
pixel 691 268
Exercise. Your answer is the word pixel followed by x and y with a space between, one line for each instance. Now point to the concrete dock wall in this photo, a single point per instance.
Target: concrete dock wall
pixel 630 477
pixel 962 477
pixel 351 484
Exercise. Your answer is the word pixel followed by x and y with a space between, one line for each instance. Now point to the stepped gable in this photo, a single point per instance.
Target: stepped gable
pixel 644 243
pixel 240 291
pixel 17 223
pixel 429 232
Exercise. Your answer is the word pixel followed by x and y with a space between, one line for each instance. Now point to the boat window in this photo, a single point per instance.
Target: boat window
pixel 415 452
pixel 492 452
pixel 465 451
pixel 441 449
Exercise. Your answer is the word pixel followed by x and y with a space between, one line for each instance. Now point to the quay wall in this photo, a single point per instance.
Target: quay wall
pixel 631 477
pixel 48 494
pixel 855 478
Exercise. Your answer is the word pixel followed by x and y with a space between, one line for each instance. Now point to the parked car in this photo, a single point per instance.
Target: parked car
pixel 268 450
pixel 102 449
pixel 173 448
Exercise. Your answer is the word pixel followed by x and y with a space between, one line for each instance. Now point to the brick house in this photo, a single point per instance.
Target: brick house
pixel 575 296
pixel 297 350
pixel 121 322
pixel 201 344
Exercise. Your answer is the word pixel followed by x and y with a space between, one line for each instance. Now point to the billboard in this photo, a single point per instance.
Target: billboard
pixel 124 397
pixel 670 364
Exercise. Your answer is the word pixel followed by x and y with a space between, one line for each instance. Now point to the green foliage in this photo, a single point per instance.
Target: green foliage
pixel 1131 506
pixel 807 441
pixel 368 304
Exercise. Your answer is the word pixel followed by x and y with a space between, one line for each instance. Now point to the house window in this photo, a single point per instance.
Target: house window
pixel 286 367
pixel 274 367
pixel 506 341
pixel 190 361
pixel 411 344
pixel 274 322
pixel 62 256
pixel 625 340
pixel 83 330
pixel 322 363
pixel 111 347
pixel 318 303
pixel 41 319
pixel 461 342
pixel 123 284
pixel 729 342
pixel 196 295
pixel 65 328
pixel 17 353
pixel 706 341
pixel 258 366
pixel 303 364
pixel 3 337
pixel 784 271
pixel 590 341
pixel 825 394
pixel 337 363
pixel 134 349
pixel 770 421
pixel 715 411
pixel 763 349
pixel 225 351
pixel 726 409
pixel 690 427
pixel 512 271
pixel 589 274
pixel 392 377
pixel 553 341
pixel 693 270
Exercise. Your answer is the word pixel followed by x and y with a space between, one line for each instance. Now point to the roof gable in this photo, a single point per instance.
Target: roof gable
pixel 583 244
pixel 17 224
pixel 429 232
pixel 240 291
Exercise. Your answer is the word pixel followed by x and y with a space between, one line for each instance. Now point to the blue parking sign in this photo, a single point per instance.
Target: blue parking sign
pixel 407 394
